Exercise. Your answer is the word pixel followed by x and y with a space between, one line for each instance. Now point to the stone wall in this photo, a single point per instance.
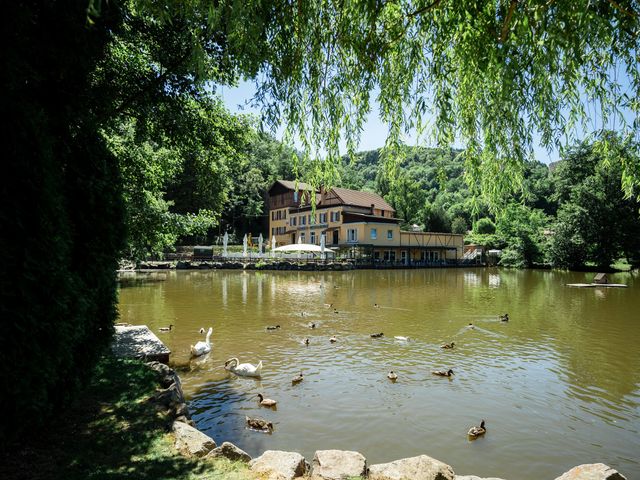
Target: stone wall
pixel 266 264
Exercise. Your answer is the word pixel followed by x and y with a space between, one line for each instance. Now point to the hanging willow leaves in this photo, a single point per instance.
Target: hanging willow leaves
pixel 488 74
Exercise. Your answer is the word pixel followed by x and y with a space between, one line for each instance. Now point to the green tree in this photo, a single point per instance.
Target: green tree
pixel 436 219
pixel 407 198
pixel 489 74
pixel 523 231
pixel 484 226
pixel 459 225
pixel 596 222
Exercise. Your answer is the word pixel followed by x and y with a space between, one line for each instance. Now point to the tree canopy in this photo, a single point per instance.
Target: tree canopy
pixel 490 75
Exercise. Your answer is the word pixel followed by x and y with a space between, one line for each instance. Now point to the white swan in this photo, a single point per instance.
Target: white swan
pixel 201 347
pixel 243 369
pixel 402 339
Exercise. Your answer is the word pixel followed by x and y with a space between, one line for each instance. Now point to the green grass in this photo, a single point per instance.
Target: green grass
pixel 111 432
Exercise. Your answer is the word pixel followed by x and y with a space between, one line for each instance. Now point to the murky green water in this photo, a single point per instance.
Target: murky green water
pixel 558 385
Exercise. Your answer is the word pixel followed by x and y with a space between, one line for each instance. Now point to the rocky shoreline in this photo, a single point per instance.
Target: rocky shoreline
pixel 326 464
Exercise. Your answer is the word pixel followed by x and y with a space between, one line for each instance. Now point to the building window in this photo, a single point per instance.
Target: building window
pixel 293 221
pixel 352 235
pixel 273 215
pixel 273 231
pixel 295 197
pixel 302 236
pixel 374 233
pixel 390 234
pixel 285 214
pixel 303 220
pixel 312 238
pixel 323 218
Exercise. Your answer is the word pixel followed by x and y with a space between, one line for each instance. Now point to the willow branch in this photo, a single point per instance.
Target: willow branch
pixel 424 9
pixel 507 21
pixel 627 12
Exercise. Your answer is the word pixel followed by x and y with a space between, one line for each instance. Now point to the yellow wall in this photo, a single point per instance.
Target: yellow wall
pixel 364 233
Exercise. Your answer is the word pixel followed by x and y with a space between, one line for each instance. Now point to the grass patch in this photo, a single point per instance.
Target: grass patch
pixel 111 432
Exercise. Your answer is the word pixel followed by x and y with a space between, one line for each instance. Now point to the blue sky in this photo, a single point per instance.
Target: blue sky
pixel 374 133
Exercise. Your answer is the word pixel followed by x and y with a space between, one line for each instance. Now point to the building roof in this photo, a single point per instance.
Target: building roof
pixel 362 199
pixel 353 217
pixel 291 185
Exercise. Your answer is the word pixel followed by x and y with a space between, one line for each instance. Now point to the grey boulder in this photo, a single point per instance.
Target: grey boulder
pixel 592 471
pixel 230 451
pixel 191 441
pixel 421 467
pixel 338 464
pixel 279 465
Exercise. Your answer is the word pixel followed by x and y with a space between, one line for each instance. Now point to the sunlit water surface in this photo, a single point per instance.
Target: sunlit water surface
pixel 559 385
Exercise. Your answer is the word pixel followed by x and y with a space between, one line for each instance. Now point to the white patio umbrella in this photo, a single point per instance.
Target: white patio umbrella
pixel 322 246
pixel 225 242
pixel 273 244
pixel 244 245
pixel 302 247
pixel 260 240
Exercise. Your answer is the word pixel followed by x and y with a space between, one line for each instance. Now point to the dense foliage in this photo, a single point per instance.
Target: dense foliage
pixel 596 222
pixel 487 74
pixel 61 216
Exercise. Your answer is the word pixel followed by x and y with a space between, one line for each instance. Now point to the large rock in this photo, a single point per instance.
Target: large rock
pixel 191 441
pixel 592 471
pixel 338 464
pixel 421 467
pixel 230 451
pixel 278 465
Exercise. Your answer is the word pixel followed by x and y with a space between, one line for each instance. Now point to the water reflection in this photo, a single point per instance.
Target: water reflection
pixel 558 384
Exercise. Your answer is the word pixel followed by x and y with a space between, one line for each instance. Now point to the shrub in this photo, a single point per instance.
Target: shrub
pixel 484 226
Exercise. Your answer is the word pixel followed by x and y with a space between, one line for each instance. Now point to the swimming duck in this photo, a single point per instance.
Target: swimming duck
pixel 504 318
pixel 243 369
pixel 312 325
pixel 266 402
pixel 305 341
pixel 297 379
pixel 448 345
pixel 475 432
pixel 402 339
pixel 166 329
pixel 443 373
pixel 201 330
pixel 259 424
pixel 303 314
pixel 335 311
pixel 471 326
pixel 201 347
pixel 393 376
pixel 328 305
pixel 333 339
pixel 273 327
pixel 375 305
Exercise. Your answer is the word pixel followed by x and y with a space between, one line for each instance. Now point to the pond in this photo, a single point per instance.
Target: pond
pixel 558 385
